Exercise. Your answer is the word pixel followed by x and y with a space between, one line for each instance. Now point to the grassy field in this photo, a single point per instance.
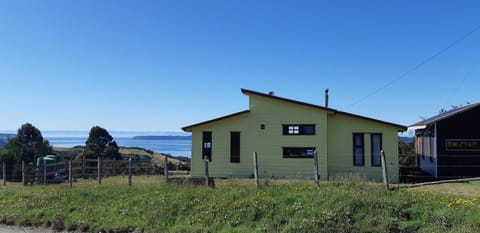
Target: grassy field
pixel 124 151
pixel 157 157
pixel 470 189
pixel 237 206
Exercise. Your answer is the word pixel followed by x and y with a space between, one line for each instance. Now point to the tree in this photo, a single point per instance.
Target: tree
pixel 111 151
pixel 31 143
pixel 27 146
pixel 406 152
pixel 100 144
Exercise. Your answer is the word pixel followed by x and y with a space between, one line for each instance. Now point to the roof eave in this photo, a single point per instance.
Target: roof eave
pixel 415 127
pixel 446 115
pixel 248 92
pixel 189 128
pixel 400 128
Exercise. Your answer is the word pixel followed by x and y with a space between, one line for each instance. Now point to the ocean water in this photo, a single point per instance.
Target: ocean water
pixel 172 147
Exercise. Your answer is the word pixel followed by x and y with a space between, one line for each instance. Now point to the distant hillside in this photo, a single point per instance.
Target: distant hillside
pixel 181 158
pixel 163 137
pixel 4 138
pixel 406 139
pixel 159 157
pixel 124 151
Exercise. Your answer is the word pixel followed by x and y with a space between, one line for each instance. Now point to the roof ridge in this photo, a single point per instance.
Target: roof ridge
pixel 245 91
pixel 449 113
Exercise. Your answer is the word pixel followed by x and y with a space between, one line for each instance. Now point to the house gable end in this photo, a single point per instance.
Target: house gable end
pixel 190 127
pixel 317 107
pixel 279 130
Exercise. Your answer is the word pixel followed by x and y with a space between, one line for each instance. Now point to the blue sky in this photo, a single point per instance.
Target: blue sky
pixel 160 65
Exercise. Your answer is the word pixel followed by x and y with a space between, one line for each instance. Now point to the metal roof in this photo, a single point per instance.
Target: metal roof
pixel 446 114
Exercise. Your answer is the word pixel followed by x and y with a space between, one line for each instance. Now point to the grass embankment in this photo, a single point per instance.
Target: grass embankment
pixel 124 151
pixel 338 206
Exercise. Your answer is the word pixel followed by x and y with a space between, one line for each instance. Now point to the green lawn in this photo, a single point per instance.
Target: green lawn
pixel 469 189
pixel 286 206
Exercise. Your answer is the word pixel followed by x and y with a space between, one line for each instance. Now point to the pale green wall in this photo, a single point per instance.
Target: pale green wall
pixel 340 147
pixel 269 142
pixel 274 113
pixel 220 165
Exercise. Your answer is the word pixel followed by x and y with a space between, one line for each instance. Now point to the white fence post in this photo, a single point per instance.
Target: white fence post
pixel 206 171
pixel 99 168
pixel 315 163
pixel 384 170
pixel 130 171
pixel 255 168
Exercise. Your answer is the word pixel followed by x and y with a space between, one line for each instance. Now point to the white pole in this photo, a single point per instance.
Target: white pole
pixel 315 163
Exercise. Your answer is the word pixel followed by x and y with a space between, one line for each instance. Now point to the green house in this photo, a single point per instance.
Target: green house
pixel 285 134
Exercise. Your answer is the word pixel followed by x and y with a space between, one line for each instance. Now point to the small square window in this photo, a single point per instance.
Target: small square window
pixel 298 129
pixel 207 145
pixel 293 130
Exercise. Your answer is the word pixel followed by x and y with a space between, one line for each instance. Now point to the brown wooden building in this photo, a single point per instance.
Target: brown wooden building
pixel 448 145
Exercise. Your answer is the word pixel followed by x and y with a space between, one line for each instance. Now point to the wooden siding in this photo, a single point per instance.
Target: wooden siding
pixel 268 143
pixel 332 140
pixel 340 147
pixel 426 151
pixel 458 163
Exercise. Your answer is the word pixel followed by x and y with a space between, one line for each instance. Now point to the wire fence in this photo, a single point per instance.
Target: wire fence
pixel 70 171
pixel 403 170
pixel 413 168
pixel 299 169
pixel 95 170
